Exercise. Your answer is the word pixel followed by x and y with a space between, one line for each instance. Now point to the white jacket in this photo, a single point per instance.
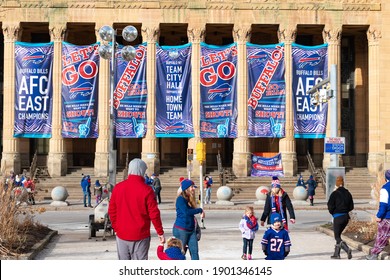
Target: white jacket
pixel 246 232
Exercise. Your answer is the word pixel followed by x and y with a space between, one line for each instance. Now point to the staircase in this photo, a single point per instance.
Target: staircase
pixel 358 181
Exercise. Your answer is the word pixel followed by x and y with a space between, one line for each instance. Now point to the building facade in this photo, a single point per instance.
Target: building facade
pixel 355 31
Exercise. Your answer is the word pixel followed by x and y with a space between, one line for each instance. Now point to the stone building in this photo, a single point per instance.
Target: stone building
pixel 355 31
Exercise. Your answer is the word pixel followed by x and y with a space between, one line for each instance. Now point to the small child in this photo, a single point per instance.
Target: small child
pixel 174 250
pixel 276 240
pixel 248 226
pixel 98 190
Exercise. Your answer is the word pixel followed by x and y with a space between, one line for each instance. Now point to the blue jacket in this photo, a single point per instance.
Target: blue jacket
pixel 384 202
pixel 185 214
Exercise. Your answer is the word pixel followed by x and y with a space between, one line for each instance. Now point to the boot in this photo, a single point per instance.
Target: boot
pixel 311 202
pixel 345 247
pixel 336 254
pixel 372 257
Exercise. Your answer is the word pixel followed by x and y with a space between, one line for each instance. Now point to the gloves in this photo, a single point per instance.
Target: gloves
pixel 286 254
pixel 265 252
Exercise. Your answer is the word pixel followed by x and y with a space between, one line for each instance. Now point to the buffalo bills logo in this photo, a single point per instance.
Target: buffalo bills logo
pixel 174 54
pixel 82 90
pixel 260 57
pixel 221 91
pixel 177 127
pixel 35 58
pixel 312 60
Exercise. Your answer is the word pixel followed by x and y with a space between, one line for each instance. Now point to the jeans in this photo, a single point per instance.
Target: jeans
pixel 188 238
pixel 87 195
pixel 208 195
pixel 247 246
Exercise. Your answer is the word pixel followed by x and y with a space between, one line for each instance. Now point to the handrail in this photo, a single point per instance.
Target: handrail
pixel 126 170
pixel 33 166
pixel 316 171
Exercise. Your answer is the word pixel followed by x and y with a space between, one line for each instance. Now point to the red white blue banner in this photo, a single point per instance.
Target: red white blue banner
pixel 80 65
pixel 33 90
pixel 266 90
pixel 266 166
pixel 310 67
pixel 131 94
pixel 173 92
pixel 218 91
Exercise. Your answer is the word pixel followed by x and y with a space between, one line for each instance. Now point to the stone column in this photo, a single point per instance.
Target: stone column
pixel 375 157
pixel 287 144
pixel 195 36
pixel 241 153
pixel 102 145
pixel 332 36
pixel 57 161
pixel 11 146
pixel 150 148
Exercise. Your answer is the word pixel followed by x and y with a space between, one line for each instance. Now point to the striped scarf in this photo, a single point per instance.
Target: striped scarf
pixel 276 202
pixel 251 223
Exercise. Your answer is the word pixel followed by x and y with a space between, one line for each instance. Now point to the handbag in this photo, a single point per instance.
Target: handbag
pixel 197 230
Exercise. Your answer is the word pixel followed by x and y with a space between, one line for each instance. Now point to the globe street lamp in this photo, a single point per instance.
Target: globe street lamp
pixel 107 50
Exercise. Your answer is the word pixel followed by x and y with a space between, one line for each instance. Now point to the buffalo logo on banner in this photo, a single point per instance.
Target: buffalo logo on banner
pixel 33 90
pixel 266 91
pixel 173 92
pixel 80 65
pixel 310 67
pixel 263 166
pixel 218 92
pixel 130 95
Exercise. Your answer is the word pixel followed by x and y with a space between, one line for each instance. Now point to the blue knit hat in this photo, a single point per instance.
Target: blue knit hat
pixel 387 174
pixel 186 183
pixel 275 217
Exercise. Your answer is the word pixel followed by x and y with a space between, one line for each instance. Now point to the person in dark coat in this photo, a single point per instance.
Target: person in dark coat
pixel 311 186
pixel 340 203
pixel 277 201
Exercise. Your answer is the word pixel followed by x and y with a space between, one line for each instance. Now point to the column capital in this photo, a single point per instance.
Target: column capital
pixel 373 35
pixel 287 35
pixel 150 33
pixel 332 35
pixel 57 32
pixel 242 33
pixel 11 31
pixel 196 34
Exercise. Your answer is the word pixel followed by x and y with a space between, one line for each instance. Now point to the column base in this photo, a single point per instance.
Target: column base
pixel 290 164
pixel 11 162
pixel 152 160
pixel 376 163
pixel 57 164
pixel 101 164
pixel 242 164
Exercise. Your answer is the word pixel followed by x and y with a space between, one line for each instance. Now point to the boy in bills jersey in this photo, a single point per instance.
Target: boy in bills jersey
pixel 276 240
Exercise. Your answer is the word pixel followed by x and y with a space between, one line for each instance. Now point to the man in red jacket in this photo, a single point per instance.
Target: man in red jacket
pixel 132 209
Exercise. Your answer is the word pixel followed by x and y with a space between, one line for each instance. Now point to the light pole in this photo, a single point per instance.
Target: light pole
pixel 107 50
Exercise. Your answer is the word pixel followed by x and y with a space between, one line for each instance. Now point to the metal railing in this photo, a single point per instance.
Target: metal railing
pixel 126 170
pixel 317 172
pixel 33 166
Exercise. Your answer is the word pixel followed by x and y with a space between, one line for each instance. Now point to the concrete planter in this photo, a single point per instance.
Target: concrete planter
pixel 59 195
pixel 300 193
pixel 261 194
pixel 224 195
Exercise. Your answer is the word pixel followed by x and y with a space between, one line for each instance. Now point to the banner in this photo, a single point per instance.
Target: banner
pixel 173 92
pixel 131 95
pixel 218 91
pixel 310 66
pixel 266 166
pixel 266 91
pixel 80 65
pixel 33 90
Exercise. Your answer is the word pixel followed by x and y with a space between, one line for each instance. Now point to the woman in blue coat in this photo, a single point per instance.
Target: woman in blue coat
pixel 311 186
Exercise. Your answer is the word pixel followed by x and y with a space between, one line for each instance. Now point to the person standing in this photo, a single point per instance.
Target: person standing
pixel 86 187
pixel 277 201
pixel 276 241
pixel 301 182
pixel 157 187
pixel 132 209
pixel 248 226
pixel 207 182
pixel 383 220
pixel 340 203
pixel 311 186
pixel 98 191
pixel 184 225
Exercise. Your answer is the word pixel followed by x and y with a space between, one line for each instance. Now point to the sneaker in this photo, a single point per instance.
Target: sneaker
pixel 372 257
pixel 249 257
pixel 243 256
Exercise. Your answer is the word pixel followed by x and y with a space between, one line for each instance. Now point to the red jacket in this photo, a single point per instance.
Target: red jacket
pixel 133 208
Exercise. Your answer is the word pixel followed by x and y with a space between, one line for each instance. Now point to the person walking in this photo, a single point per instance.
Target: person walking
pixel 184 225
pixel 277 201
pixel 98 191
pixel 248 226
pixel 207 183
pixel 86 187
pixel 311 186
pixel 340 203
pixel 157 187
pixel 132 209
pixel 383 220
pixel 276 241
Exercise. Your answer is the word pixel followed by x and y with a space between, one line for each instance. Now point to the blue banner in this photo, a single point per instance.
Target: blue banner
pixel 310 66
pixel 218 91
pixel 80 65
pixel 33 90
pixel 266 91
pixel 173 92
pixel 267 166
pixel 131 94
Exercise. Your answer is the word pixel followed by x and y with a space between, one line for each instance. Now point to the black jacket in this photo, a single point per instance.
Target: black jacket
pixel 286 205
pixel 340 201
